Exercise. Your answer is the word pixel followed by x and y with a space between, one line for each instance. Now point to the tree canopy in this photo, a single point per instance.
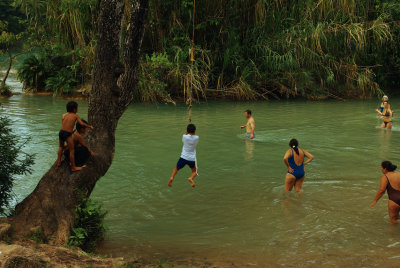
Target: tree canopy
pixel 243 49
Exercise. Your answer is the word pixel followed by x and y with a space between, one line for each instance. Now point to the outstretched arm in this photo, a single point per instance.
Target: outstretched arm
pixel 381 191
pixel 83 123
pixel 309 156
pixel 243 126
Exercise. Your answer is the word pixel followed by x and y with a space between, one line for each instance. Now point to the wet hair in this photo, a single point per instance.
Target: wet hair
pixel 79 126
pixel 248 112
pixel 191 129
pixel 294 144
pixel 72 106
pixel 388 166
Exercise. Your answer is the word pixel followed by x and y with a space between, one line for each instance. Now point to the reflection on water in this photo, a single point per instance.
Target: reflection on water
pixel 248 156
pixel 238 212
pixel 385 145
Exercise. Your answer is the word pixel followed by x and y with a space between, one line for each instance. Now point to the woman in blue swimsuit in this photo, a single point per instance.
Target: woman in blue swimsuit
pixel 294 160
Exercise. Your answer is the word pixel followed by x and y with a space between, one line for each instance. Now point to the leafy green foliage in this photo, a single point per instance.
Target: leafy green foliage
pixel 52 70
pixel 33 72
pixel 152 82
pixel 88 228
pixel 61 82
pixel 13 161
pixel 245 50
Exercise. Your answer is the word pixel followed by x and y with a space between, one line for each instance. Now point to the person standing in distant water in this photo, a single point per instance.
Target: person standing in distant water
pixel 382 107
pixel 250 126
pixel 386 114
pixel 390 181
pixel 294 161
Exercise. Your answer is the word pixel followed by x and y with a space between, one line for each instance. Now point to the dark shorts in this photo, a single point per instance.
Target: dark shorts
pixel 81 154
pixel 248 135
pixel 183 162
pixel 64 135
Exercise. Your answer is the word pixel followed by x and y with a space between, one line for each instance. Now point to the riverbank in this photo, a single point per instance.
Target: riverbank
pixel 28 253
pixel 82 93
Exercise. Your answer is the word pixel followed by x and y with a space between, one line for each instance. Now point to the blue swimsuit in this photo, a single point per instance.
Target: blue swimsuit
pixel 298 171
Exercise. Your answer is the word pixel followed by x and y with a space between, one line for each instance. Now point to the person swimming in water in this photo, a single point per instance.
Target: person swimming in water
pixel 386 114
pixel 294 161
pixel 390 182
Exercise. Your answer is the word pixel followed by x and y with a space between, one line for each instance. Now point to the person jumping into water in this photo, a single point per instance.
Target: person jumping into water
pixel 390 182
pixel 188 156
pixel 294 161
pixel 386 114
pixel 65 135
pixel 250 126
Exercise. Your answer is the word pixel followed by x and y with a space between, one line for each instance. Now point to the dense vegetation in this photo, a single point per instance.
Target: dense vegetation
pixel 243 49
pixel 11 29
pixel 89 228
pixel 13 161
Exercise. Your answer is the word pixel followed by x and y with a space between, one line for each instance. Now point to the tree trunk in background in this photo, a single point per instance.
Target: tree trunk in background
pixel 3 82
pixel 52 204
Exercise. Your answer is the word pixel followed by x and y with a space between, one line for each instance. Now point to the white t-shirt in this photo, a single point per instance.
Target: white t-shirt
pixel 189 147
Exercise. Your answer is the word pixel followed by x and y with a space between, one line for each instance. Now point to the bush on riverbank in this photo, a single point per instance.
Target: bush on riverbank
pixel 51 70
pixel 88 229
pixel 5 90
pixel 13 161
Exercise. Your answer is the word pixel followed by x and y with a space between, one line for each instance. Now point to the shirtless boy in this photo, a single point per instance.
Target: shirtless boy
pixel 250 126
pixel 68 121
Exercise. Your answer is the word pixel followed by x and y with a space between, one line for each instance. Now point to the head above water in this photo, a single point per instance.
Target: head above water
pixel 247 113
pixel 72 107
pixel 191 129
pixel 294 144
pixel 81 128
pixel 387 166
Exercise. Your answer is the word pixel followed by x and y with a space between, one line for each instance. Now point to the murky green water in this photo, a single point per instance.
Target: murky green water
pixel 237 213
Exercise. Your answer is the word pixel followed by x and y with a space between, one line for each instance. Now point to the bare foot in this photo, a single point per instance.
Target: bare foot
pixel 170 182
pixel 191 182
pixel 76 169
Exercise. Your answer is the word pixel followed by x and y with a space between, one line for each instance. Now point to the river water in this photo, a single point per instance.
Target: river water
pixel 237 215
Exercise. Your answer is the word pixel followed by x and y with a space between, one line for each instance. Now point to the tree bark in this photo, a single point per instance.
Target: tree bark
pixel 3 82
pixel 51 206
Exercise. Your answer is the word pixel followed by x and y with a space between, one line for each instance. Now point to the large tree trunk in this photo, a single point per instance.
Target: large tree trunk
pixel 52 204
